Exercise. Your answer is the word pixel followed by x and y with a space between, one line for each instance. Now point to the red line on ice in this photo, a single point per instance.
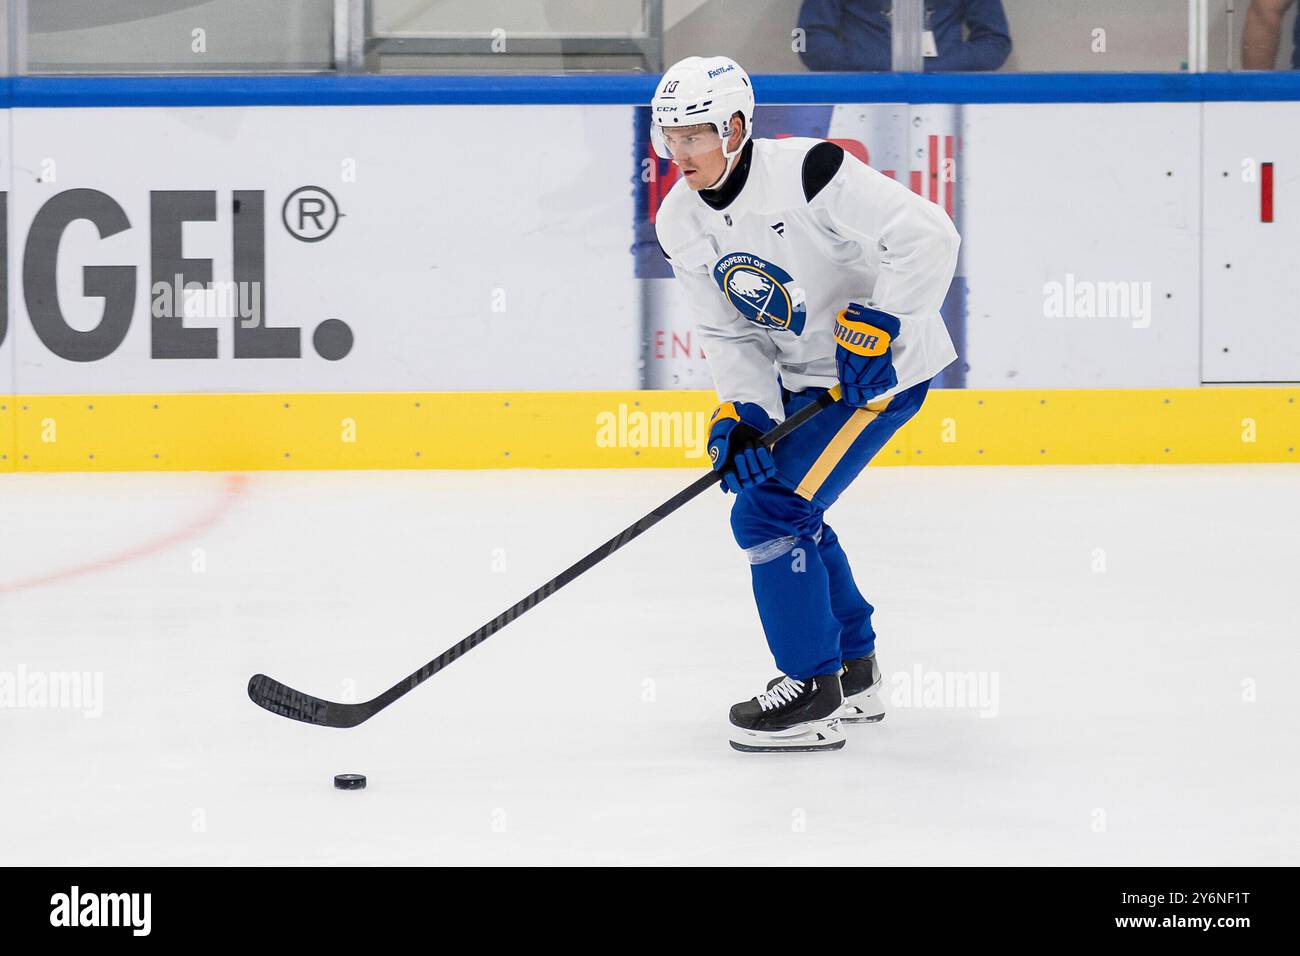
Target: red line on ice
pixel 232 488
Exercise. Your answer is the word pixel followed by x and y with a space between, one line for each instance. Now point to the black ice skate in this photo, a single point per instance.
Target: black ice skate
pixel 861 681
pixel 791 715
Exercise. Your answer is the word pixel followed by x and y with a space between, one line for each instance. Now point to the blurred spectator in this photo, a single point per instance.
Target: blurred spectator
pixel 1263 35
pixel 854 35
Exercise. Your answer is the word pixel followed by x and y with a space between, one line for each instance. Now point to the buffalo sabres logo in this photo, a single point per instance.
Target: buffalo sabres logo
pixel 760 291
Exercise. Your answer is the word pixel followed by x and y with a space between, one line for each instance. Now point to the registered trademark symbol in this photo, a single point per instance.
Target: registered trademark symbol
pixel 310 213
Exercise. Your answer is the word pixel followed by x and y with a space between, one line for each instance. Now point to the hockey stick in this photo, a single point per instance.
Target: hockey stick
pixel 281 699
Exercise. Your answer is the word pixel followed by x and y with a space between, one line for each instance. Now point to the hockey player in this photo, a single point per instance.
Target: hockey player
pixel 805 270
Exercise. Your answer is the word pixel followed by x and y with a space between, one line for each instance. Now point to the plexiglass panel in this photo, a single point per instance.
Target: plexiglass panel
pixel 182 36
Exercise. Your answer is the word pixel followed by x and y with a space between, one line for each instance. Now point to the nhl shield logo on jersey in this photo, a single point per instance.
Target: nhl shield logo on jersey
pixel 760 291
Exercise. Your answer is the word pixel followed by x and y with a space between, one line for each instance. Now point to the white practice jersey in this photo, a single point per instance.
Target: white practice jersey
pixel 810 230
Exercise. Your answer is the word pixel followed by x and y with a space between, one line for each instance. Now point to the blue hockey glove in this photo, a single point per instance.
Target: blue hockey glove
pixel 863 360
pixel 734 448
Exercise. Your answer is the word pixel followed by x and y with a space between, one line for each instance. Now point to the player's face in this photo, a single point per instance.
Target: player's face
pixel 697 152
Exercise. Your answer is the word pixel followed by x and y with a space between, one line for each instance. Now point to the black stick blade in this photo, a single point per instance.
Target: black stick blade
pixel 269 694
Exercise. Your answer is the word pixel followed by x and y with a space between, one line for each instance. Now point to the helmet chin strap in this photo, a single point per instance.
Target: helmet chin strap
pixel 731 161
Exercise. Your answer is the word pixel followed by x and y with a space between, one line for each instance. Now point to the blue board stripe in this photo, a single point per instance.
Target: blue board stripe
pixel 635 89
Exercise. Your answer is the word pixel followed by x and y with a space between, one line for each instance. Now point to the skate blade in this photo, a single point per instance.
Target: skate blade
pixel 824 737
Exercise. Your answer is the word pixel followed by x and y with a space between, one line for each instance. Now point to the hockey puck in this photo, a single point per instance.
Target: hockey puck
pixel 350 781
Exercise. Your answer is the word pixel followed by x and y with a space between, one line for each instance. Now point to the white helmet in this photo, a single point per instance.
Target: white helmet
pixel 702 90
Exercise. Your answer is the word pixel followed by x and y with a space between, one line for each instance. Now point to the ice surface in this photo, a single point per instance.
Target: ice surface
pixel 1141 625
